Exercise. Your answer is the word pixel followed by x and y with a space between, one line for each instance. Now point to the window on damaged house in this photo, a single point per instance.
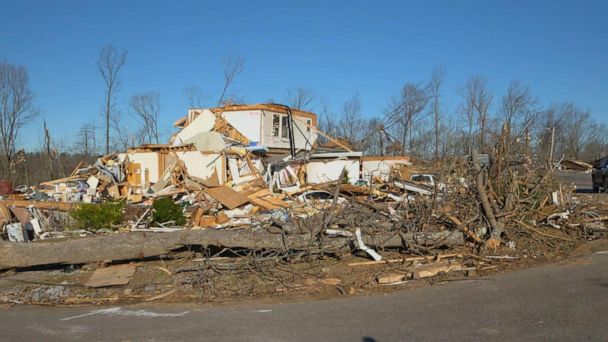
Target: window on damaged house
pixel 284 127
pixel 276 125
pixel 280 126
pixel 308 124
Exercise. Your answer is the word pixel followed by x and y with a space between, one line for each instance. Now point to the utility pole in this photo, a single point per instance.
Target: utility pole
pixel 552 142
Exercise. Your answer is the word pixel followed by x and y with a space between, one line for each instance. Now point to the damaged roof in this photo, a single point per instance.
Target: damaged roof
pixel 183 121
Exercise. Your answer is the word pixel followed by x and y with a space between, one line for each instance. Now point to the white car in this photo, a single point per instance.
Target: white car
pixel 318 196
pixel 21 189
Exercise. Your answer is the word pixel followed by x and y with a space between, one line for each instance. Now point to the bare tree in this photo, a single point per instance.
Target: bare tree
pixel 519 112
pixel 435 94
pixel 123 136
pixel 352 124
pixel 404 110
pixel 146 108
pixel 300 98
pixel 16 110
pixel 195 97
pixel 109 64
pixel 86 145
pixel 328 120
pixel 477 104
pixel 233 66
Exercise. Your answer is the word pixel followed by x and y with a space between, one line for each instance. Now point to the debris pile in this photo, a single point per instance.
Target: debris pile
pixel 235 209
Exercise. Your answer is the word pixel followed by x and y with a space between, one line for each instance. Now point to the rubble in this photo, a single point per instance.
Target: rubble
pixel 269 206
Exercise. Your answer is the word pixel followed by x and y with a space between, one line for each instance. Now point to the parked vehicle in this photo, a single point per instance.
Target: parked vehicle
pixel 428 180
pixel 318 196
pixel 423 184
pixel 21 189
pixel 599 175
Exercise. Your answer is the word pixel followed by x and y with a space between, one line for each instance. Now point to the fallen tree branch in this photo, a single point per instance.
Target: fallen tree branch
pixel 137 245
pixel 540 232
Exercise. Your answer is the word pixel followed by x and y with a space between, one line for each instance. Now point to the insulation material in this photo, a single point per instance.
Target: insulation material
pixel 207 141
pixel 326 171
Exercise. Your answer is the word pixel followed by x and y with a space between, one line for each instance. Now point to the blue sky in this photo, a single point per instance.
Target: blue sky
pixel 558 48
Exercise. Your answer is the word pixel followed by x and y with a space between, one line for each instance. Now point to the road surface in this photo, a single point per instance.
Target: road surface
pixel 566 302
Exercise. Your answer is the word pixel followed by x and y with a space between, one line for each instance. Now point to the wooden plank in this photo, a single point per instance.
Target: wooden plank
pixel 111 276
pixel 197 216
pixel 227 197
pixel 22 214
pixel 61 206
pixel 62 180
pixel 264 204
pixel 261 193
pixel 276 201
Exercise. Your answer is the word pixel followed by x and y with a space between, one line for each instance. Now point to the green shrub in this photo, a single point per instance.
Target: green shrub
pixel 166 210
pixel 96 216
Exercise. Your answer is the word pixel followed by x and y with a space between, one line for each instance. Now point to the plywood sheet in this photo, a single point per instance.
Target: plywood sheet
pixel 111 276
pixel 227 197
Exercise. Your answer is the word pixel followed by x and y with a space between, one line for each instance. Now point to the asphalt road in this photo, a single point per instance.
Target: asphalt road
pixel 566 302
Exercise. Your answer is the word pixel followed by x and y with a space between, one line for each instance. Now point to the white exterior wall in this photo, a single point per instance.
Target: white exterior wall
pixel 277 142
pixel 203 123
pixel 202 165
pixel 326 171
pixel 380 168
pixel 147 160
pixel 247 122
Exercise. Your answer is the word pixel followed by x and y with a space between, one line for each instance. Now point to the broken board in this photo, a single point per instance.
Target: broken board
pixel 111 276
pixel 227 197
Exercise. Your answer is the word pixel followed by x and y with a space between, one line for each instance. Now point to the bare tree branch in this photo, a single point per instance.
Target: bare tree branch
pixel 16 110
pixel 108 65
pixel 300 98
pixel 233 66
pixel 147 110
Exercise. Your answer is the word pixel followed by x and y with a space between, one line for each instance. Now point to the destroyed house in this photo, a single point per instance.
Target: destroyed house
pixel 254 125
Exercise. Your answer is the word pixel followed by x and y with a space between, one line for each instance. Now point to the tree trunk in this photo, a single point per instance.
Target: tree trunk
pixel 137 245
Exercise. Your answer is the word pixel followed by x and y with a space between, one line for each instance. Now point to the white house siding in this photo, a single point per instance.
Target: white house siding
pixel 203 123
pixel 326 171
pixel 300 135
pixel 380 168
pixel 147 161
pixel 247 122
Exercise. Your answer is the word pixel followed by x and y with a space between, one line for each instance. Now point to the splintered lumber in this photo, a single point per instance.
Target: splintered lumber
pixel 137 245
pixel 404 260
pixel 431 270
pixel 391 278
pixel 60 206
pixel 227 197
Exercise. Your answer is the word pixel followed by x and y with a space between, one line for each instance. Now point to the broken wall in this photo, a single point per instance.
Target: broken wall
pixel 380 167
pixel 321 171
pixel 145 165
pixel 204 122
pixel 272 138
pixel 204 165
pixel 247 122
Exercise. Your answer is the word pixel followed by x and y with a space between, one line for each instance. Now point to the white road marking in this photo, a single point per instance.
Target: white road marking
pixel 118 311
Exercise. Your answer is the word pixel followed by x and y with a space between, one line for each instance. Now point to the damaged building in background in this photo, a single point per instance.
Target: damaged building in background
pixel 224 164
